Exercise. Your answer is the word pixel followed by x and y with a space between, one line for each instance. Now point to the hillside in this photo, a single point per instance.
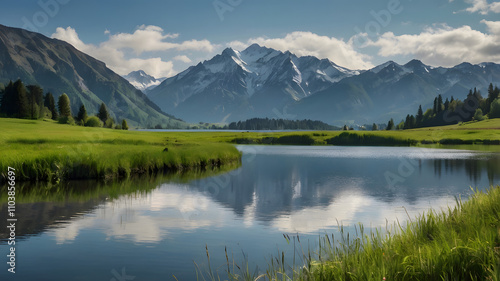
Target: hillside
pixel 58 67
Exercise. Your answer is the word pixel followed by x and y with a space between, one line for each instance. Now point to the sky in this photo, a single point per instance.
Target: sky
pixel 164 37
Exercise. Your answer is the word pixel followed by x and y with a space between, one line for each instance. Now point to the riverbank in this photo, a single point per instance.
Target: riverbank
pixel 461 243
pixel 485 132
pixel 46 151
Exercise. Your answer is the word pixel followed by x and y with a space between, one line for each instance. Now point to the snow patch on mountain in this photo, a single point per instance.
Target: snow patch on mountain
pixel 142 81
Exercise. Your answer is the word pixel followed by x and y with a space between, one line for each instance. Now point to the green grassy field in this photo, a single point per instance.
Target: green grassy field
pixel 46 151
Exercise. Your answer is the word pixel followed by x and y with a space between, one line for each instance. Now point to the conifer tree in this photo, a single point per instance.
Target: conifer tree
pixel 124 125
pixel 35 101
pixel 64 106
pixel 50 103
pixel 82 115
pixel 103 113
pixel 20 102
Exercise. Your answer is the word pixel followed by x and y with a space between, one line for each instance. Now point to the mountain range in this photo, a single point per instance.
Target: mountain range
pixel 59 68
pixel 232 86
pixel 263 82
pixel 143 81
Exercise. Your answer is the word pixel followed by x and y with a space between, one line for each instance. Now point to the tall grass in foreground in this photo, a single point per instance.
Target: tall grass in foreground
pixel 460 243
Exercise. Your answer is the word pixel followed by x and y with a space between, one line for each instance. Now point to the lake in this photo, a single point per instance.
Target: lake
pixel 162 227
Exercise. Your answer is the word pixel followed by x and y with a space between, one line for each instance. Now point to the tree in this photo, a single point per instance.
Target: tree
pixel 492 95
pixel 420 116
pixel 345 128
pixel 124 125
pixel 7 106
pixel 390 125
pixel 35 101
pixel 495 109
pixel 478 115
pixel 103 113
pixel 82 115
pixel 20 101
pixel 64 106
pixel 440 105
pixel 374 127
pixel 51 105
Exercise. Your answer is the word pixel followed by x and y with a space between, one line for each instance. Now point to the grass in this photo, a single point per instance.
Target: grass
pixel 460 243
pixel 483 132
pixel 46 151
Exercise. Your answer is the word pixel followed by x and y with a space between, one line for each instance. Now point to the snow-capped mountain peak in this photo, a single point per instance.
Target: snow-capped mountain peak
pixel 143 81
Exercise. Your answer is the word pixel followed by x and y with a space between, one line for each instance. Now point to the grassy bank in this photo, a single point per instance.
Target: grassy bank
pixel 46 151
pixel 484 132
pixel 460 243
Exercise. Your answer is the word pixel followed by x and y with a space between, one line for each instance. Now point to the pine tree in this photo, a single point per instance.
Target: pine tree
pixel 374 127
pixel 103 113
pixel 390 125
pixel 7 106
pixel 50 103
pixel 35 100
pixel 435 107
pixel 124 125
pixel 420 116
pixel 440 104
pixel 21 106
pixel 82 115
pixel 64 106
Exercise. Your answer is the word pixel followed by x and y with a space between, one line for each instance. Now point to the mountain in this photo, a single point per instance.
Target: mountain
pixel 239 85
pixel 60 68
pixel 262 82
pixel 391 90
pixel 143 81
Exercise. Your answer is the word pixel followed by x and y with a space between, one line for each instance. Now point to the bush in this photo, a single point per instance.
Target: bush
pixel 109 123
pixel 295 140
pixel 367 139
pixel 478 115
pixel 66 120
pixel 93 122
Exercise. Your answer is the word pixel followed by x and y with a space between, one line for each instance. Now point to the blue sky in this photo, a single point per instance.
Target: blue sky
pixel 165 37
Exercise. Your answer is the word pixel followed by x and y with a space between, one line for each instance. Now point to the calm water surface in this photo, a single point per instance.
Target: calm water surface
pixel 154 234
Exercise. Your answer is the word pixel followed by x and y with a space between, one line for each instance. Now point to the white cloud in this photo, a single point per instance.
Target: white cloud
pixel 183 58
pixel 482 7
pixel 144 39
pixel 307 43
pixel 151 38
pixel 443 45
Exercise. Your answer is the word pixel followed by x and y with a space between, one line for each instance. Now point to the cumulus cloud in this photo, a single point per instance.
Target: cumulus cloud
pixel 144 39
pixel 482 7
pixel 307 43
pixel 151 38
pixel 183 58
pixel 443 45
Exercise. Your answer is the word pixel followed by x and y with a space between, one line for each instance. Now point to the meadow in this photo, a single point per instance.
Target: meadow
pixel 47 151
